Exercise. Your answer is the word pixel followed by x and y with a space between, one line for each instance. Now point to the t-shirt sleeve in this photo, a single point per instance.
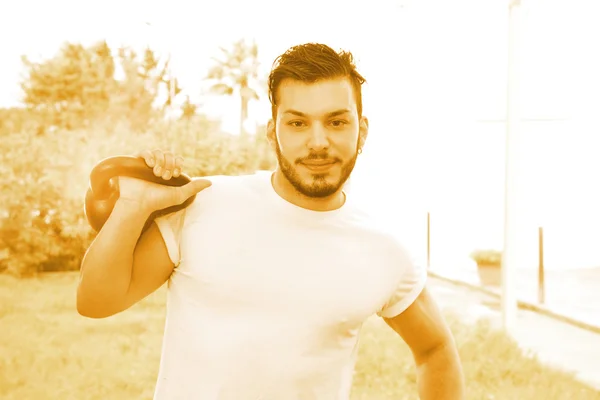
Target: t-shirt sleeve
pixel 412 279
pixel 170 227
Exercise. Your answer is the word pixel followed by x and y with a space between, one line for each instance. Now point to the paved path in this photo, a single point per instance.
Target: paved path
pixel 573 293
pixel 556 343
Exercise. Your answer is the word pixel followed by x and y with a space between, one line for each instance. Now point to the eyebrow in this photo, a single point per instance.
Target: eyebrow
pixel 329 114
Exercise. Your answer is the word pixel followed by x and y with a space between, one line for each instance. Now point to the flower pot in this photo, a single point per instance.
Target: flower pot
pixel 489 274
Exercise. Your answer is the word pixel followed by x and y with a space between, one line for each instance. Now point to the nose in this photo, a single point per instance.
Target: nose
pixel 318 138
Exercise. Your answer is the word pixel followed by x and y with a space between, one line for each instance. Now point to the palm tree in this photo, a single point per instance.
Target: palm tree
pixel 237 71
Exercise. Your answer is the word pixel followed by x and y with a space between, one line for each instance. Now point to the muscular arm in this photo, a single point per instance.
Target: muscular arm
pixel 119 269
pixel 423 328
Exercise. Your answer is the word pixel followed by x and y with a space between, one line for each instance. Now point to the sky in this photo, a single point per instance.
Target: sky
pixel 435 96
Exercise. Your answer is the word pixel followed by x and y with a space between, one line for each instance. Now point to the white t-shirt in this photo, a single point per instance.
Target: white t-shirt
pixel 267 298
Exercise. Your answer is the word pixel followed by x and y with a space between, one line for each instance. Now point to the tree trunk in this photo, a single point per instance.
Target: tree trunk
pixel 243 114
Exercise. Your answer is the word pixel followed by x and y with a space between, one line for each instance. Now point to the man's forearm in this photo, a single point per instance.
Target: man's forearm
pixel 440 375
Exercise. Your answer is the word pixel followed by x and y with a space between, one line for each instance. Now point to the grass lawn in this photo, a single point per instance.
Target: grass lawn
pixel 47 351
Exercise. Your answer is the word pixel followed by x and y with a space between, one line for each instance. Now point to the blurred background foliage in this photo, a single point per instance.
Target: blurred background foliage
pixel 87 103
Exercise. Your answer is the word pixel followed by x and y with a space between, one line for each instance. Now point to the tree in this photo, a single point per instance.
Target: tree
pixel 162 77
pixel 188 109
pixel 72 87
pixel 78 85
pixel 16 119
pixel 237 71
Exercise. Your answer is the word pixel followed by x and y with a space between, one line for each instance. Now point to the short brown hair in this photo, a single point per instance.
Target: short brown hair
pixel 313 62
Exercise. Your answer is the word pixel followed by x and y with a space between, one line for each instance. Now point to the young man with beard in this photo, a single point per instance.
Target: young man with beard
pixel 271 276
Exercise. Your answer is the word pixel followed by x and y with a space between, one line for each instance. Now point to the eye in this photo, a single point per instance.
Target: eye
pixel 296 124
pixel 339 123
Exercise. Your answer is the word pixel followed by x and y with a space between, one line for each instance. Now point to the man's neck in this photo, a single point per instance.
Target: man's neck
pixel 286 191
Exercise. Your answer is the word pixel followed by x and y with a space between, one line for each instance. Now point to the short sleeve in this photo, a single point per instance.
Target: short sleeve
pixel 412 279
pixel 170 227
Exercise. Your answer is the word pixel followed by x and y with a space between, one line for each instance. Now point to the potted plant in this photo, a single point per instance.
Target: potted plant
pixel 489 266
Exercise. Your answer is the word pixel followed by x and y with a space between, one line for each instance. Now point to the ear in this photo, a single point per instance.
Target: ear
pixel 363 131
pixel 271 133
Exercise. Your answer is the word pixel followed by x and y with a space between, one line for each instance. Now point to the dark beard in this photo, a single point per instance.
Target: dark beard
pixel 319 188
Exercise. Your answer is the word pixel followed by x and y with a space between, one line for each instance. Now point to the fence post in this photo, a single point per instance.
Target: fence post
pixel 541 283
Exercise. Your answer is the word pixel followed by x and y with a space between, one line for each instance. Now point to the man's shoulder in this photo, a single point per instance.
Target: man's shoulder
pixel 392 232
pixel 225 189
pixel 227 183
pixel 227 179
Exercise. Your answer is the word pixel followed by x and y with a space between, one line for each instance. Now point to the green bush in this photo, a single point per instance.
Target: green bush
pixel 487 257
pixel 42 224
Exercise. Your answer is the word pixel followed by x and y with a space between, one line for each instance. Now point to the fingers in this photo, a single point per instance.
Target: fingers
pixel 159 162
pixel 163 163
pixel 168 167
pixel 199 185
pixel 178 166
pixel 195 186
pixel 147 156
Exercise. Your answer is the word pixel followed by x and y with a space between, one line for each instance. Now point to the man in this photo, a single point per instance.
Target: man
pixel 271 275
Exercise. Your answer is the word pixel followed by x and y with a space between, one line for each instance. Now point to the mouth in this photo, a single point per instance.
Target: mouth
pixel 318 165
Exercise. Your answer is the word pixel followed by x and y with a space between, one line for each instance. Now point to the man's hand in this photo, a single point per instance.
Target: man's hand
pixel 148 196
pixel 163 163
